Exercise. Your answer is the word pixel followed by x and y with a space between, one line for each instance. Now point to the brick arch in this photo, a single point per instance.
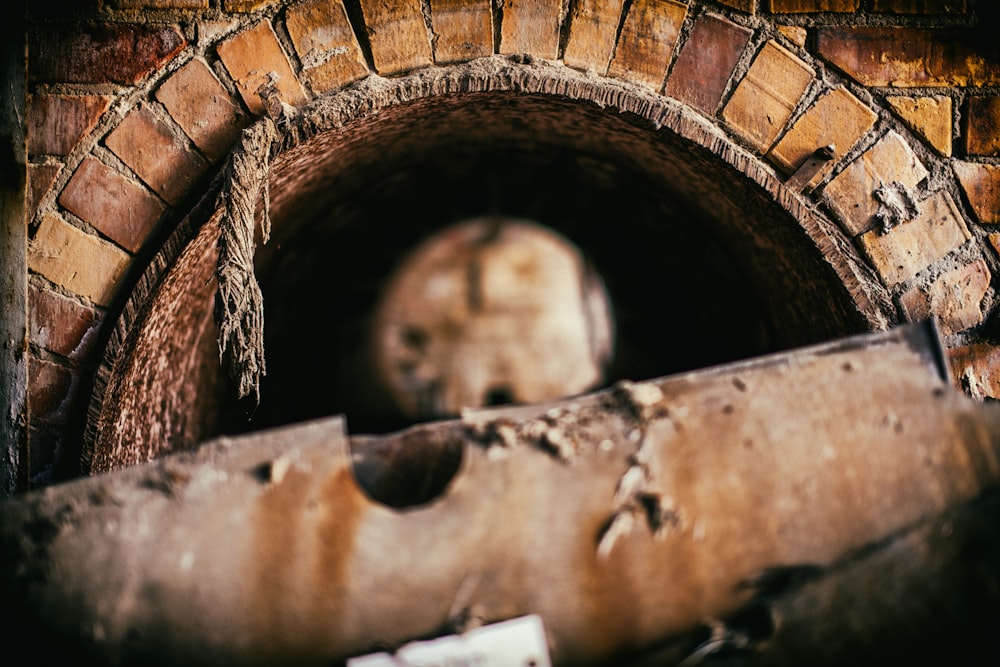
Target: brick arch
pixel 771 103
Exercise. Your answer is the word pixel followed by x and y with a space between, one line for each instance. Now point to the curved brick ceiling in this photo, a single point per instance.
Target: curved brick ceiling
pixel 136 156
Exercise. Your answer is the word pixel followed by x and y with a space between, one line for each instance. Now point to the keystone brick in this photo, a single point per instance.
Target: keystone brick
pixel 397 35
pixel 254 59
pixel 119 53
pixel 928 117
pixel 647 41
pixel 982 126
pixel 531 26
pixel 838 118
pixel 908 56
pixel 197 102
pixel 593 26
pixel 40 179
pixel 56 123
pixel 955 298
pixel 803 6
pixel 764 100
pixel 851 194
pixel 976 369
pixel 82 263
pixel 920 6
pixel 981 183
pixel 913 246
pixel 50 390
pixel 463 30
pixel 119 208
pixel 163 161
pixel 326 44
pixel 62 325
pixel 706 62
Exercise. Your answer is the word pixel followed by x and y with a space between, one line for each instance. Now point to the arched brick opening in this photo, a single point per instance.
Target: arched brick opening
pixel 761 106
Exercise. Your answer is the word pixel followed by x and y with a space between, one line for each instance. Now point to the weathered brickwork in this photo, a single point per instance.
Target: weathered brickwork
pixel 135 103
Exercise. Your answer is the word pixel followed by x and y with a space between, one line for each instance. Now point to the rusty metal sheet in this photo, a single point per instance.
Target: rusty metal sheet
pixel 622 518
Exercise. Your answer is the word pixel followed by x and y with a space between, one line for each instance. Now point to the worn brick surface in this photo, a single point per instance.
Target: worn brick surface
pixel 119 208
pixel 82 263
pixel 802 6
pixel 764 100
pixel 955 298
pixel 929 117
pixel 531 26
pixel 742 5
pixel 397 35
pixel 851 194
pixel 150 148
pixel 982 126
pixel 245 6
pixel 920 6
pixel 40 179
pixel 102 53
pixel 706 62
pixel 326 44
pixel 837 118
pixel 463 30
pixel 255 59
pixel 796 33
pixel 199 104
pixel 50 390
pixel 981 183
pixel 56 123
pixel 648 37
pixel 913 246
pixel 593 26
pixel 62 325
pixel 908 56
pixel 976 369
pixel 160 4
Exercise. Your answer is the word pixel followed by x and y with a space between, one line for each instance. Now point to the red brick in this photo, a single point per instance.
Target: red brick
pixel 56 123
pixel 976 369
pixel 326 44
pixel 397 35
pixel 646 44
pixel 802 6
pixel 82 263
pixel 837 118
pixel 463 30
pixel 255 59
pixel 197 102
pixel 905 57
pixel 981 183
pixel 764 100
pixel 531 26
pixel 851 194
pixel 51 388
pixel 911 247
pixel 151 149
pixel 103 53
pixel 119 208
pixel 954 298
pixel 593 26
pixel 706 62
pixel 40 179
pixel 982 126
pixel 62 325
pixel 920 6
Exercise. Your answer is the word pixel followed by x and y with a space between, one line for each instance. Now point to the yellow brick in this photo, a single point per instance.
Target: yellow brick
pixel 325 43
pixel 397 35
pixel 929 117
pixel 531 26
pixel 463 30
pixel 647 41
pixel 254 59
pixel 593 26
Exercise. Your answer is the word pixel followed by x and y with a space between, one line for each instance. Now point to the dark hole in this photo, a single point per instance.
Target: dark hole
pixel 499 396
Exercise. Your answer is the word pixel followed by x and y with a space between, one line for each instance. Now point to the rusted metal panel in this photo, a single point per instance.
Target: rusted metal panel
pixel 623 519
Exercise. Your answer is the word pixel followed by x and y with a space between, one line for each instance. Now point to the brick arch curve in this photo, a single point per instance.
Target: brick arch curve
pixel 764 101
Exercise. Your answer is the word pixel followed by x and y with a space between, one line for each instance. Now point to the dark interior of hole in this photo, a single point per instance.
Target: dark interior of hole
pixel 701 267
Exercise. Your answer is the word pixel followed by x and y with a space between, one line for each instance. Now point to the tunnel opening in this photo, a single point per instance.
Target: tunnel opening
pixel 704 257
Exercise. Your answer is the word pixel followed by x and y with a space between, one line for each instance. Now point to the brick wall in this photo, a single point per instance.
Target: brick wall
pixel 133 105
